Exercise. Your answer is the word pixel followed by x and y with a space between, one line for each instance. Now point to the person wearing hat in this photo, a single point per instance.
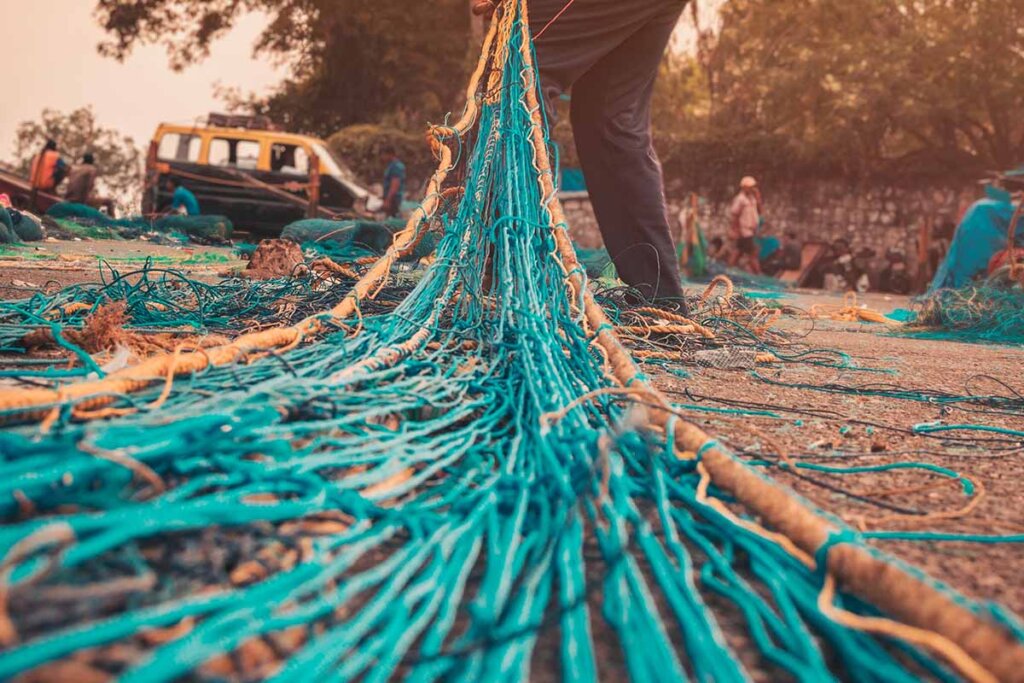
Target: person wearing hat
pixel 744 220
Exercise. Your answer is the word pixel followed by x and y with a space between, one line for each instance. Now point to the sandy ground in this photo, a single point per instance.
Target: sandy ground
pixel 53 265
pixel 856 430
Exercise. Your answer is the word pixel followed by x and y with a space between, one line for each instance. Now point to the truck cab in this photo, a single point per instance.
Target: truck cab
pixel 260 178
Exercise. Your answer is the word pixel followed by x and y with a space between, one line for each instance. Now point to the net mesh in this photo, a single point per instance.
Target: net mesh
pixel 435 489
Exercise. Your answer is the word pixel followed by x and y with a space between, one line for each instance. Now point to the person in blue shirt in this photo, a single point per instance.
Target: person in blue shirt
pixel 182 199
pixel 394 185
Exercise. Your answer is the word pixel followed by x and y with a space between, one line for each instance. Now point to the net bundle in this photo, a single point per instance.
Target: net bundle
pixel 451 489
pixel 351 240
pixel 988 313
pixel 86 221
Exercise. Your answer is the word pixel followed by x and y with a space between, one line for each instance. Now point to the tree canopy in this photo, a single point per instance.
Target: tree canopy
pixel 875 85
pixel 352 61
pixel 857 88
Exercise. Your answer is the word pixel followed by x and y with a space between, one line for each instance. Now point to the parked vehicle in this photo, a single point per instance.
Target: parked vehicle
pixel 19 191
pixel 262 179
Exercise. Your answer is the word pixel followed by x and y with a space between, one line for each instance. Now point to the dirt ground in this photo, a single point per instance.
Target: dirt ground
pixel 855 430
pixel 859 416
pixel 49 266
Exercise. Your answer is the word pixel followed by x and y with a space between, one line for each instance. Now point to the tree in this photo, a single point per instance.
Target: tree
pixel 873 86
pixel 398 62
pixel 682 102
pixel 118 160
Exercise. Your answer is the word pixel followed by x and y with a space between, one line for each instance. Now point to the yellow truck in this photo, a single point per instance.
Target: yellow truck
pixel 260 178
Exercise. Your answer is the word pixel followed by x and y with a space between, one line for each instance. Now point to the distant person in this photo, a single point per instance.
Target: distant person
pixel 895 278
pixel 182 199
pixel 716 248
pixel 859 277
pixel 839 269
pixel 792 252
pixel 81 187
pixel 48 169
pixel 394 185
pixel 942 238
pixel 789 256
pixel 744 221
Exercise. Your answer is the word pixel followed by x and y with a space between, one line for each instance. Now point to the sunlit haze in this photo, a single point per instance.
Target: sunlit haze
pixel 52 62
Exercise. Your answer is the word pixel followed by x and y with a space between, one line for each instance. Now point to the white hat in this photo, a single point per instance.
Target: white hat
pixel 748 182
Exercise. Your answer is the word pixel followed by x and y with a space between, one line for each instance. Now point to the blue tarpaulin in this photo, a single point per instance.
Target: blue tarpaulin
pixel 573 180
pixel 980 236
pixel 767 246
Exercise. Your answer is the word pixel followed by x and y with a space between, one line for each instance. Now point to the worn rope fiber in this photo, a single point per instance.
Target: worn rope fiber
pixel 420 498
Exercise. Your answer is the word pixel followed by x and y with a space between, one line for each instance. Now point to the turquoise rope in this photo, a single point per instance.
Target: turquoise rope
pixel 487 536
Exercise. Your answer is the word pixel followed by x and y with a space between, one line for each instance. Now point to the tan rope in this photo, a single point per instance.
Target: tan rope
pixel 44 404
pixel 903 596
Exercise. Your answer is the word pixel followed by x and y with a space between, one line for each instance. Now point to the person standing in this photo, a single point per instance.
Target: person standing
pixel 744 221
pixel 608 53
pixel 394 185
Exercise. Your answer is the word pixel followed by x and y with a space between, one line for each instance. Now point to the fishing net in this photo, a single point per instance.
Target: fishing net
pixel 207 229
pixel 87 216
pixel 715 268
pixel 353 239
pixel 598 263
pixel 441 489
pixel 168 300
pixel 85 221
pixel 376 235
pixel 18 226
pixel 986 313
pixel 7 233
pixel 28 229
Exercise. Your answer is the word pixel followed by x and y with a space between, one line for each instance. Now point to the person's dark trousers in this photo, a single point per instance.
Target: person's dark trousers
pixel 608 53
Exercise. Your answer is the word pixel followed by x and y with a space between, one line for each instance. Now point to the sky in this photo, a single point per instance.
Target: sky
pixel 50 53
pixel 50 56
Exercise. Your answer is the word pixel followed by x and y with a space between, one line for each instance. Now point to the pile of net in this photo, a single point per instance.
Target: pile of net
pixel 984 313
pixel 168 300
pixel 476 484
pixel 85 221
pixel 599 265
pixel 351 240
pixel 16 226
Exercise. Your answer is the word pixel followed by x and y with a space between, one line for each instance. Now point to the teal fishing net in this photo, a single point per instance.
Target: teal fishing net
pixel 598 263
pixel 81 214
pixel 7 233
pixel 168 300
pixel 28 228
pixel 352 239
pixel 74 217
pixel 743 278
pixel 448 489
pixel 208 229
pixel 981 313
pixel 16 226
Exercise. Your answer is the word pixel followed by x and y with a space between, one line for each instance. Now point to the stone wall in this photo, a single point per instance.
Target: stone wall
pixel 878 218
